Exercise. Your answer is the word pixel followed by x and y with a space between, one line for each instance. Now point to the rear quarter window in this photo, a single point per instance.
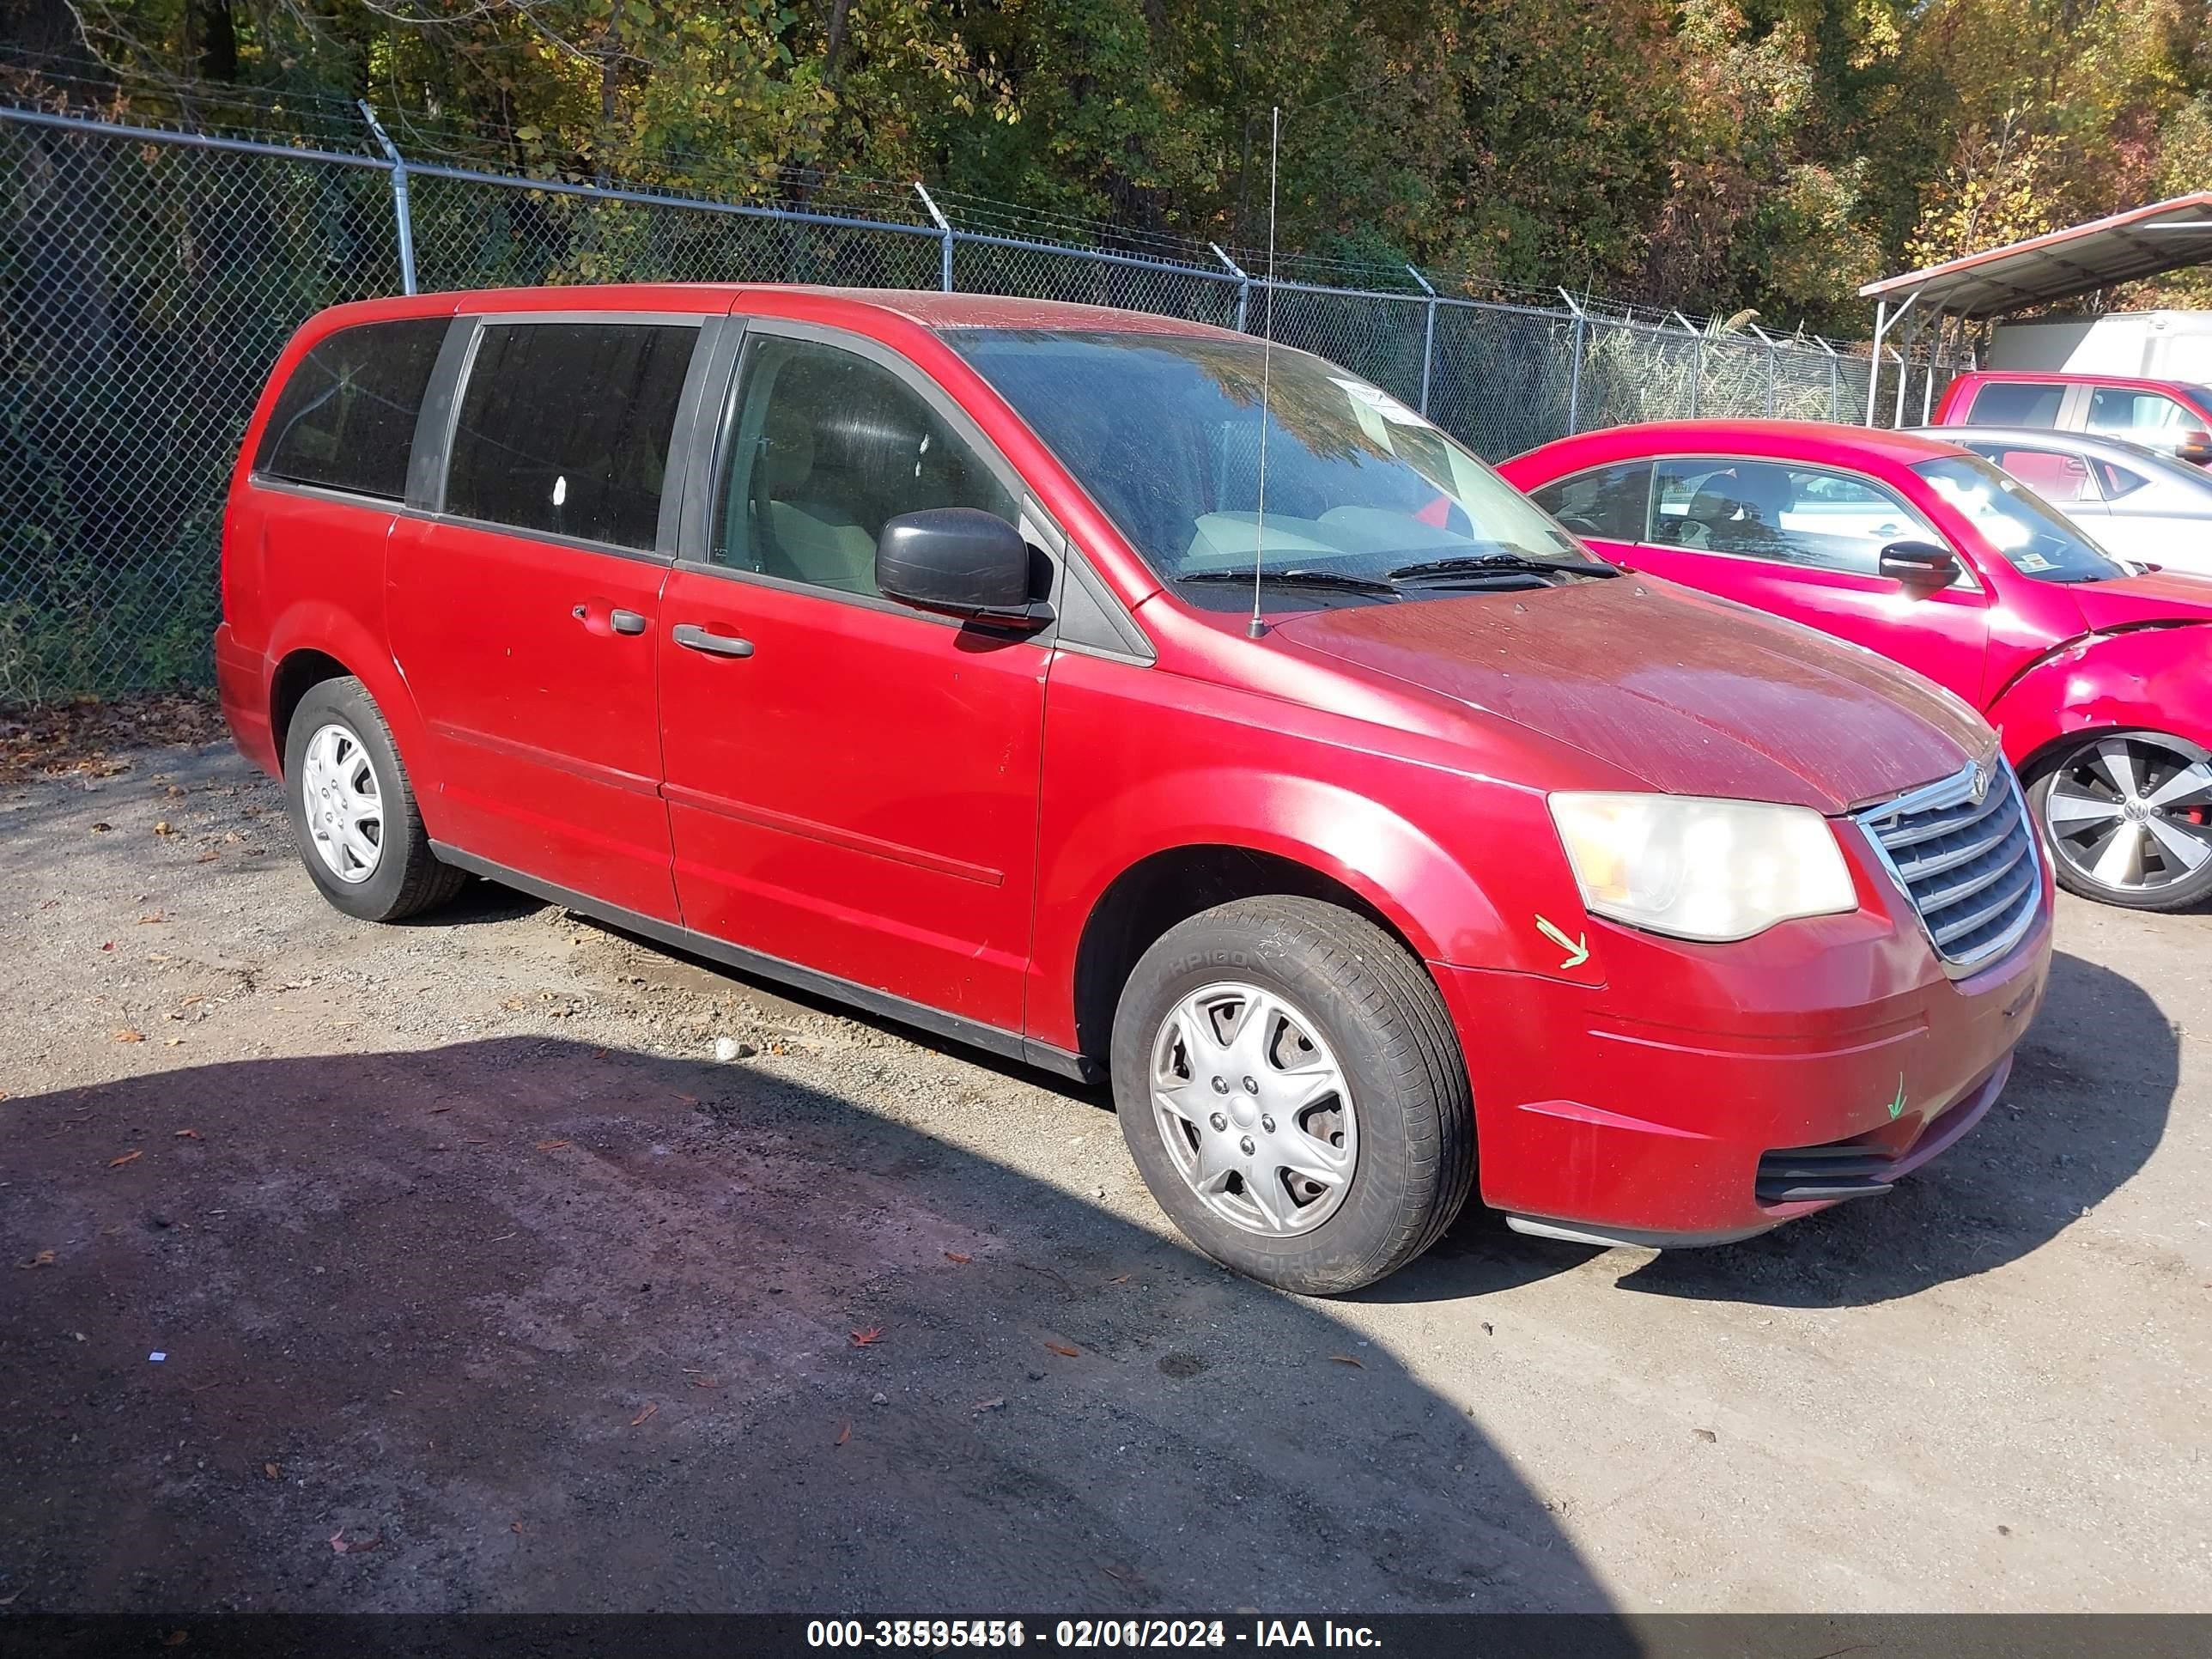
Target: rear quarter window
pixel 1608 502
pixel 345 420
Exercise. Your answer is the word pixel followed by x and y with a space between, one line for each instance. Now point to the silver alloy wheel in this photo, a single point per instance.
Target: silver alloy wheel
pixel 343 808
pixel 1255 1112
pixel 2132 813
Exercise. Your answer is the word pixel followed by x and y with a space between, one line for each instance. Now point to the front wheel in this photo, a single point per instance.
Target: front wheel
pixel 1289 1085
pixel 2128 818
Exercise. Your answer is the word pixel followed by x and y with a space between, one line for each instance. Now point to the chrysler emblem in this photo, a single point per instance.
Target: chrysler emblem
pixel 1981 786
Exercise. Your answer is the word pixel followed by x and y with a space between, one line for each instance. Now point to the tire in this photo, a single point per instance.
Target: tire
pixel 340 762
pixel 1334 991
pixel 2122 814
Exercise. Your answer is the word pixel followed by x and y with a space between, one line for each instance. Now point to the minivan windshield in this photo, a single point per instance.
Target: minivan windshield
pixel 1366 501
pixel 2036 537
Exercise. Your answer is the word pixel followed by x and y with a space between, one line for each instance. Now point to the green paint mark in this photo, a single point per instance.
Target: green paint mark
pixel 1897 1106
pixel 1577 949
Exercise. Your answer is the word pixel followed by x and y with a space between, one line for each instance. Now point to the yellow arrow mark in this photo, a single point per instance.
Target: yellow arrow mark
pixel 1577 949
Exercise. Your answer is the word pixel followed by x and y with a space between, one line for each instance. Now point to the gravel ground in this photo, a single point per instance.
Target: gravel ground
pixel 441 1266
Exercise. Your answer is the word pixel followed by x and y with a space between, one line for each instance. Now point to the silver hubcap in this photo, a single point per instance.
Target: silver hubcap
pixel 1254 1108
pixel 344 813
pixel 2132 813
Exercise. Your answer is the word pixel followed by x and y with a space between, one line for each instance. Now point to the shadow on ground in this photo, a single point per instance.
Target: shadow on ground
pixel 526 1325
pixel 2059 1142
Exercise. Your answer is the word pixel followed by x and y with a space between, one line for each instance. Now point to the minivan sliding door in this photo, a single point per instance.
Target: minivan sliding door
pixel 524 599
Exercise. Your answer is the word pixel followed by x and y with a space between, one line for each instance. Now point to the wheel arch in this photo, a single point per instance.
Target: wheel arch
pixel 1172 885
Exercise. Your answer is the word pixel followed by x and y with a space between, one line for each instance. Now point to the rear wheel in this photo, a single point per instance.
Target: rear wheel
pixel 2128 818
pixel 1289 1086
pixel 353 809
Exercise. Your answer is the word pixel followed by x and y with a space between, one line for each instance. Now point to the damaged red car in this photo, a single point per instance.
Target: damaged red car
pixel 948 655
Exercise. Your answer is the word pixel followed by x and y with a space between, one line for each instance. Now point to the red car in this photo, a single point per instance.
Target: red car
pixel 944 653
pixel 2098 676
pixel 2172 416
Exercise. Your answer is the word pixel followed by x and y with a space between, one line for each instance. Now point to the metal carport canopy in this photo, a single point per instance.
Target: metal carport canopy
pixel 2062 265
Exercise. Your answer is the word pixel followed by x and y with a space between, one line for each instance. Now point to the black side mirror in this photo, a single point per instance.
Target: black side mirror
pixel 959 560
pixel 1919 564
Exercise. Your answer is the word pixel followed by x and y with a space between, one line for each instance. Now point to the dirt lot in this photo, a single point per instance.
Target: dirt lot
pixel 482 1286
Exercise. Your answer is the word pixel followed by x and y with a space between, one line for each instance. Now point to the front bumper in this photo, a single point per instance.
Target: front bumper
pixel 1706 1093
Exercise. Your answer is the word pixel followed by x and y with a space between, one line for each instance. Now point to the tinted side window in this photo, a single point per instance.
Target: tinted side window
pixel 346 418
pixel 1608 504
pixel 2053 474
pixel 823 446
pixel 2119 481
pixel 564 427
pixel 2016 403
pixel 1790 515
pixel 2115 409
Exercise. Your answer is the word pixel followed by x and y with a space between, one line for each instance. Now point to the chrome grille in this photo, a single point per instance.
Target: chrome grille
pixel 1967 859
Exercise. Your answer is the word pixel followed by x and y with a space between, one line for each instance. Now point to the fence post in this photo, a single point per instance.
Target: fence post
pixel 1428 333
pixel 1575 367
pixel 1696 361
pixel 945 228
pixel 1773 364
pixel 1244 283
pixel 400 211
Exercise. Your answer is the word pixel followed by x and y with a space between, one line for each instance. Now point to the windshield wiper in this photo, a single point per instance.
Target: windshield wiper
pixel 1478 564
pixel 1336 578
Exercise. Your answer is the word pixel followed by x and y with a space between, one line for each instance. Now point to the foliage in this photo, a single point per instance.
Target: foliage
pixel 1709 154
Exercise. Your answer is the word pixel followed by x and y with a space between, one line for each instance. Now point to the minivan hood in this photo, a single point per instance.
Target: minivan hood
pixel 1692 695
pixel 2132 601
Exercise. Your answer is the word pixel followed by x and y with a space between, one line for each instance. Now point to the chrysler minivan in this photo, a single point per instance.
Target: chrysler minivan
pixel 1122 696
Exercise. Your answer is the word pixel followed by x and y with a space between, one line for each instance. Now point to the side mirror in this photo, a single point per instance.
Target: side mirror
pixel 959 560
pixel 1919 564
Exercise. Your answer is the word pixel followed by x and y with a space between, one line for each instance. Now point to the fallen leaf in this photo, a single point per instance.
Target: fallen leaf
pixel 129 1036
pixel 102 827
pixel 435 1110
pixel 514 1527
pixel 338 1541
pixel 176 1638
pixel 551 1146
pixel 706 1382
pixel 642 1415
pixel 151 916
pixel 208 857
pixel 272 1471
pixel 991 1405
pixel 127 1157
pixel 689 1100
pixel 1346 1359
pixel 1706 1435
pixel 173 1043
pixel 1062 1349
pixel 187 1135
pixel 44 1259
pixel 367 1543
pixel 959 1256
pixel 161 828
pixel 1119 1278
pixel 862 1338
pixel 110 945
pixel 844 1434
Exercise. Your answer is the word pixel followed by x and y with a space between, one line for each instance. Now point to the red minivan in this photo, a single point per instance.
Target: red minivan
pixel 1100 690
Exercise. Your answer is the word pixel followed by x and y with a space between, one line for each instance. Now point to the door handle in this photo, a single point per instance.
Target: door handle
pixel 692 637
pixel 626 622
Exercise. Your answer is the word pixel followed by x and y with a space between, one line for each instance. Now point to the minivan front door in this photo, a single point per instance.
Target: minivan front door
pixel 852 784
pixel 525 612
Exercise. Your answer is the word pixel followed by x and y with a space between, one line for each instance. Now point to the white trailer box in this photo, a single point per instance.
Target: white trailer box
pixel 2151 346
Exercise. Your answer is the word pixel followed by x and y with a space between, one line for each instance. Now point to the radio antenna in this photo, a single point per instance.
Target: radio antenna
pixel 1267 355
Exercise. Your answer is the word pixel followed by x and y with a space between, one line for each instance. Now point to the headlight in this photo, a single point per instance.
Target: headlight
pixel 1702 869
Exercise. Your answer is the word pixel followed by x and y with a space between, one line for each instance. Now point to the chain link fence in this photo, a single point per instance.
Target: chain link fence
pixel 148 279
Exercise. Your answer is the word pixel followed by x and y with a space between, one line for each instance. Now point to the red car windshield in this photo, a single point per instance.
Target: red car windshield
pixel 2037 539
pixel 1165 432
